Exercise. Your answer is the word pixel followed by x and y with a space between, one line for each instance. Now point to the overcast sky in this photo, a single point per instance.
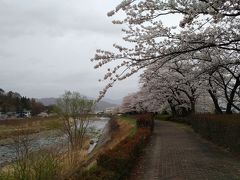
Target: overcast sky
pixel 46 47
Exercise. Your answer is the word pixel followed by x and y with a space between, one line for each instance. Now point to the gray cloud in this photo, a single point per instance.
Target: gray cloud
pixel 47 46
pixel 54 17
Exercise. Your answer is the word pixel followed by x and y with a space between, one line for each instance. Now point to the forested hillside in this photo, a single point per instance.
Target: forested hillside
pixel 13 102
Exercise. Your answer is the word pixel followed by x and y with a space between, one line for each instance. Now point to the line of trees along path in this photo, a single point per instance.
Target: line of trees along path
pixel 179 63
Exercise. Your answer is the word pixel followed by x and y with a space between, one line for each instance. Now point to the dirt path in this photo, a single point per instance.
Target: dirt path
pixel 177 153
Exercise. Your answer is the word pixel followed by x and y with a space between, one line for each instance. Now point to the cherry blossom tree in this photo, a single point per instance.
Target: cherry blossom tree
pixel 205 24
pixel 176 84
pixel 180 84
pixel 224 80
pixel 181 62
pixel 127 104
pixel 140 102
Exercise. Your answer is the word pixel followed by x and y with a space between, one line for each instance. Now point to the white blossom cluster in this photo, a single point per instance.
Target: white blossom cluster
pixel 208 35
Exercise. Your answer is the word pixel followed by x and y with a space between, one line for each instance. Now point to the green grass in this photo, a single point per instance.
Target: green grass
pixel 162 117
pixel 130 120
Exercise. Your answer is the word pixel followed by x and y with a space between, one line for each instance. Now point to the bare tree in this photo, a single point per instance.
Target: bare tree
pixel 73 109
pixel 22 145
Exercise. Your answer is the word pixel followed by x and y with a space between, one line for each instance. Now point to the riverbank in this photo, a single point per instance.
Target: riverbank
pixel 16 127
pixel 46 139
pixel 125 127
pixel 117 161
pixel 66 164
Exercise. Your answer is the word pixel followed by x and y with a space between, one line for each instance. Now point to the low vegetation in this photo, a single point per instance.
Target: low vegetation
pixel 145 120
pixel 117 163
pixel 131 120
pixel 12 128
pixel 41 165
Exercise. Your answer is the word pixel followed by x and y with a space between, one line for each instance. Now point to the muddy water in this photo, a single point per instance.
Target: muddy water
pixel 49 139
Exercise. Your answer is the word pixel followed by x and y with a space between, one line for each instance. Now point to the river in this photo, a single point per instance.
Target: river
pixel 48 139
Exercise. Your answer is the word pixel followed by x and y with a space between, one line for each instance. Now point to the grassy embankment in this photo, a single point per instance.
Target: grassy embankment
pixel 117 161
pixel 132 121
pixel 162 117
pixel 126 127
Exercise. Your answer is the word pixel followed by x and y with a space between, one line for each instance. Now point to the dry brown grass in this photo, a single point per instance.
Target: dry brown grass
pixel 72 160
pixel 67 161
pixel 124 130
pixel 16 127
pixel 117 136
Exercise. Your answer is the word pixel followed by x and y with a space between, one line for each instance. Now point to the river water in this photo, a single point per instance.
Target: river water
pixel 48 139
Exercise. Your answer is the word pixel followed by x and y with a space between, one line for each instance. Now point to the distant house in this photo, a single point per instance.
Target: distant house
pixel 2 116
pixel 23 114
pixel 11 114
pixel 112 110
pixel 27 114
pixel 99 112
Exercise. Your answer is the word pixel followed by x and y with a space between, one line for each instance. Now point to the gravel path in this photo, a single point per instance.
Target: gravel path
pixel 175 152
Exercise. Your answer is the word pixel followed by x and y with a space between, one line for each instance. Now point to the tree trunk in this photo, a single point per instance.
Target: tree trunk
pixel 231 98
pixel 193 109
pixel 173 109
pixel 229 108
pixel 215 101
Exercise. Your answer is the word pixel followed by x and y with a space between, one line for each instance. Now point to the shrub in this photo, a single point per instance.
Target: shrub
pixel 121 159
pixel 41 166
pixel 96 173
pixel 45 165
pixel 145 120
pixel 163 117
pixel 118 162
pixel 6 176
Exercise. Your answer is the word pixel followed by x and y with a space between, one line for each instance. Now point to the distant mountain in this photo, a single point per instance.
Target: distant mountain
pixel 47 101
pixel 113 101
pixel 100 106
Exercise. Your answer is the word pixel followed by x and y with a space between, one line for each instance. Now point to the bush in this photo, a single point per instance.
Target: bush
pixel 163 117
pixel 118 162
pixel 145 120
pixel 96 173
pixel 6 176
pixel 41 166
pixel 122 158
pixel 45 166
